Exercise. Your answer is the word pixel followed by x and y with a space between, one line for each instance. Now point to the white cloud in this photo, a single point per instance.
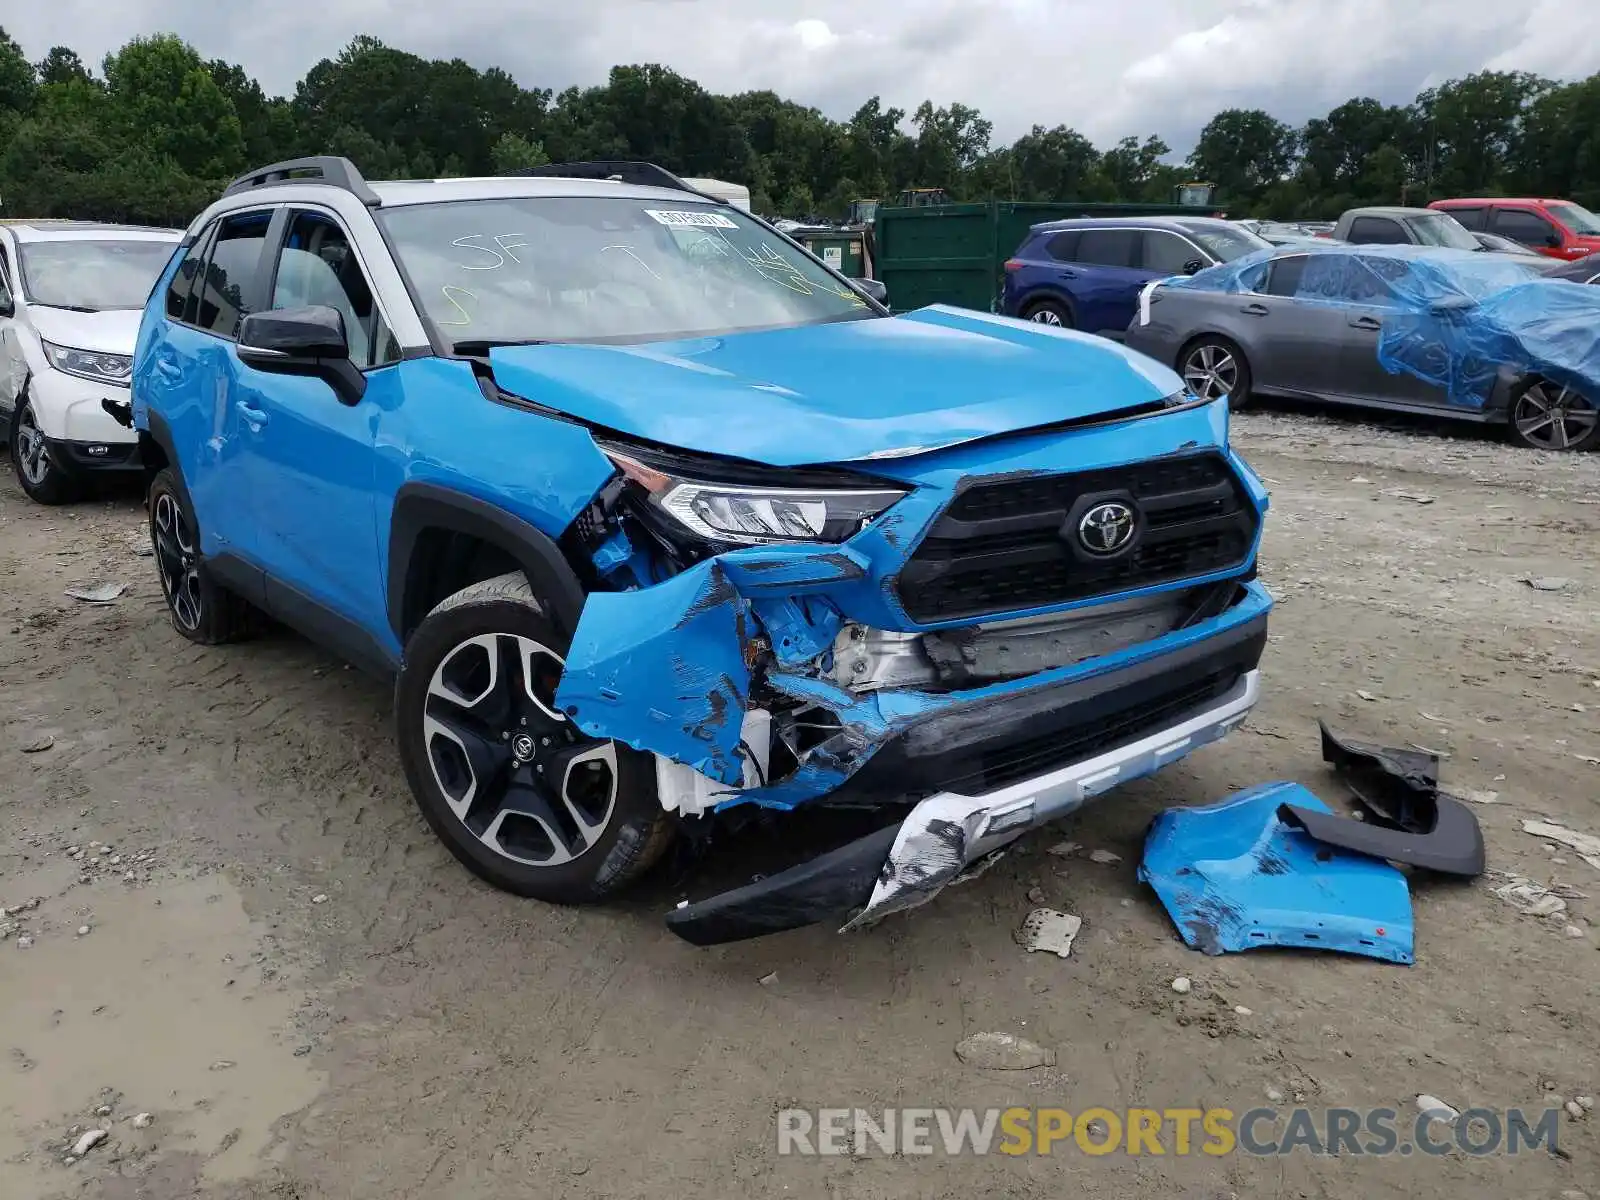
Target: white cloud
pixel 1142 66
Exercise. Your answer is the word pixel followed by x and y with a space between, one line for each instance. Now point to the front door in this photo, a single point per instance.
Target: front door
pixel 310 457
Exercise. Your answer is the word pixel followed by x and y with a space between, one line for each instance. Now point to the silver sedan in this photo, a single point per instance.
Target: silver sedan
pixel 1267 337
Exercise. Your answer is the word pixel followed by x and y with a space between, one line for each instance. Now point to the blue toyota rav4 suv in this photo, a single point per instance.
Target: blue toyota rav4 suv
pixel 647 513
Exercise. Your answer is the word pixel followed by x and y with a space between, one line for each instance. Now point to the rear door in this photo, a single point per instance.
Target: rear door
pixel 1106 280
pixel 193 372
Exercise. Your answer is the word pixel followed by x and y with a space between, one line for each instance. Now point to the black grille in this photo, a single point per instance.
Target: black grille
pixel 1005 544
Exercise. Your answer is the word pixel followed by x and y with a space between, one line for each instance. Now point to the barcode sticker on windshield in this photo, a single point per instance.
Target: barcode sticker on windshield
pixel 703 220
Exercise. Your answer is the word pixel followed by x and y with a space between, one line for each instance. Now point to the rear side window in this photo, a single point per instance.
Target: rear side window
pixel 227 295
pixel 1108 247
pixel 1377 231
pixel 1520 225
pixel 1472 218
pixel 1063 247
pixel 180 292
pixel 1284 278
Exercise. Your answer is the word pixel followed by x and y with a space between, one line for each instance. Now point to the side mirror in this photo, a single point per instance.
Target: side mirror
pixel 302 341
pixel 1553 240
pixel 8 306
pixel 1193 267
pixel 874 288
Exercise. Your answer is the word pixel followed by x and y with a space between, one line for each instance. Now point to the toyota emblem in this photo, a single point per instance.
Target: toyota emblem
pixel 1106 528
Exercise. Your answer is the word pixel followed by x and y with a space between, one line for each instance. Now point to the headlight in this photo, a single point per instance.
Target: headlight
pixel 749 514
pixel 88 364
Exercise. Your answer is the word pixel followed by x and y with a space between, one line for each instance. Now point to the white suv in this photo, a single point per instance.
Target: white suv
pixel 71 296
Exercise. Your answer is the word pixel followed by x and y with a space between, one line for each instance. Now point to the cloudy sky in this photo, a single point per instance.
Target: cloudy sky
pixel 1105 68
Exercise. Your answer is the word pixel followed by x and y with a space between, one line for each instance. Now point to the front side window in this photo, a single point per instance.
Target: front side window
pixel 1441 229
pixel 606 269
pixel 1168 254
pixel 225 297
pixel 1520 225
pixel 1226 243
pixel 1576 218
pixel 91 274
pixel 318 266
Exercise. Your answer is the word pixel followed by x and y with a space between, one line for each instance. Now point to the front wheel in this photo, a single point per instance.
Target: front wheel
pixel 37 472
pixel 515 791
pixel 1546 416
pixel 1213 367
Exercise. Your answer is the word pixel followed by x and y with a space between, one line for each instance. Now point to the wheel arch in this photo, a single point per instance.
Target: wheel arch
pixel 440 540
pixel 1043 293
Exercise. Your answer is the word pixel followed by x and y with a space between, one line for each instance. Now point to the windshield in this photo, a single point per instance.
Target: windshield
pixel 1439 229
pixel 582 269
pixel 1576 218
pixel 1225 244
pixel 92 275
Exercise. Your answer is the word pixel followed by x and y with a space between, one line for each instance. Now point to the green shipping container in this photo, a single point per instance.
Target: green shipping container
pixel 842 249
pixel 955 253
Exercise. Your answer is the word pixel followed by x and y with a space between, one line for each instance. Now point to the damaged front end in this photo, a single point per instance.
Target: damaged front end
pixel 950 637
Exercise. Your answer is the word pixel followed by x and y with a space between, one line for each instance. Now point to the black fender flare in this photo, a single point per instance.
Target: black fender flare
pixel 422 506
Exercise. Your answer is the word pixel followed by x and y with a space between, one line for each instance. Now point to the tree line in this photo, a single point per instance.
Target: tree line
pixel 155 134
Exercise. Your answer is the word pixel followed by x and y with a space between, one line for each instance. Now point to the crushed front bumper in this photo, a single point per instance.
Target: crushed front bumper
pixel 945 835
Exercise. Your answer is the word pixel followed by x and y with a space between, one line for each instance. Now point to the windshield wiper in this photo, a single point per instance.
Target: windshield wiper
pixel 477 347
pixel 66 307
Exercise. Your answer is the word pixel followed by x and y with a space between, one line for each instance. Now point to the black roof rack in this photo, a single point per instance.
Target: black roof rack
pixel 325 169
pixel 640 174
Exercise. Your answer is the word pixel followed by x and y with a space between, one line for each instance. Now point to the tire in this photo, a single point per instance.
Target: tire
pixel 41 479
pixel 1546 416
pixel 1216 365
pixel 1048 312
pixel 463 718
pixel 201 609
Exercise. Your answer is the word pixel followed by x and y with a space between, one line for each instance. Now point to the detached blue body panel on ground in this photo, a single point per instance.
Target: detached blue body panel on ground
pixel 1233 876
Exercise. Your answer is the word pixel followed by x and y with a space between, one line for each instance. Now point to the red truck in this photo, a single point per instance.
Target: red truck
pixel 1556 228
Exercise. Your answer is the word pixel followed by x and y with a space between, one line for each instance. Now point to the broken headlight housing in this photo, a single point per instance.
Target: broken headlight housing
pixel 739 513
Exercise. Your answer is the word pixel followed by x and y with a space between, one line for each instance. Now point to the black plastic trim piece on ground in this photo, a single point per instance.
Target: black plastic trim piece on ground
pixel 1410 820
pixel 1454 846
pixel 831 885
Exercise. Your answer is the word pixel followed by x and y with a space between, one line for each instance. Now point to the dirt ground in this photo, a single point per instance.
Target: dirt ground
pixel 312 999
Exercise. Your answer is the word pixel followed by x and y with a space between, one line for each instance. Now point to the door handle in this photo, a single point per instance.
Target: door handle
pixel 1367 323
pixel 1067 274
pixel 254 417
pixel 1255 310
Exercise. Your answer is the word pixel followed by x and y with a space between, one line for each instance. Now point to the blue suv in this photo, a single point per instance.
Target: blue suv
pixel 1087 274
pixel 649 514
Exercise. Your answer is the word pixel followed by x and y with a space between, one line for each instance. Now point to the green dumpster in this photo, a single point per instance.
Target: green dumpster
pixel 956 253
pixel 845 250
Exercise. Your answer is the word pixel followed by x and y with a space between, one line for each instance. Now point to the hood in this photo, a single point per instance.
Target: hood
pixel 839 392
pixel 111 332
